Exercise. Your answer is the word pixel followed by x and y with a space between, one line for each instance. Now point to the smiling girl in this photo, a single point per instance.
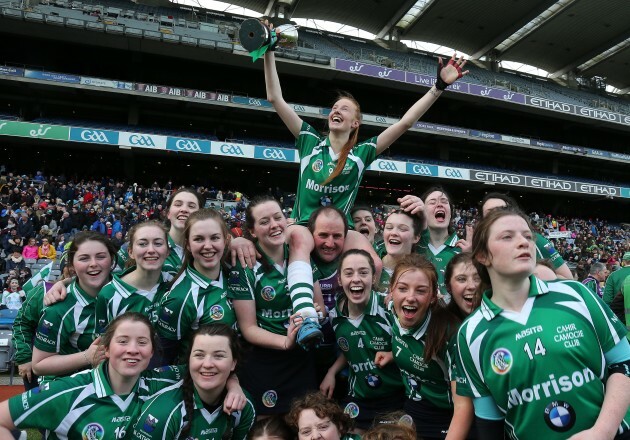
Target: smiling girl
pixel 141 287
pixel 65 338
pixel 362 331
pixel 199 293
pixel 192 408
pixel 278 371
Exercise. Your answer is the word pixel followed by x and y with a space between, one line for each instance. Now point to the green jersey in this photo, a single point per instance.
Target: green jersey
pixel 546 251
pixel 317 162
pixel 553 350
pixel 614 283
pixel 267 285
pixel 25 324
pixel 359 340
pixel 384 281
pixel 439 257
pixel 424 379
pixel 118 297
pixel 164 417
pixel 84 405
pixel 379 248
pixel 193 300
pixel 68 326
pixel 172 264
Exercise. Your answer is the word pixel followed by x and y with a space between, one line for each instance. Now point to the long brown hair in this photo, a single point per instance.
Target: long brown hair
pixel 443 323
pixel 352 139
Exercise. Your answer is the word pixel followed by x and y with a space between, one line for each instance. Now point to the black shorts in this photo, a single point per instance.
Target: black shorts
pixel 364 411
pixel 431 422
pixel 275 377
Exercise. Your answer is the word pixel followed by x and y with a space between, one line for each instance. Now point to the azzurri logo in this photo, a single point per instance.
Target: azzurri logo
pixel 271 153
pixel 188 145
pixel 93 136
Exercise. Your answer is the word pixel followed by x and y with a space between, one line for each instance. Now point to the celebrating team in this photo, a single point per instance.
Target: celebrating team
pixel 317 302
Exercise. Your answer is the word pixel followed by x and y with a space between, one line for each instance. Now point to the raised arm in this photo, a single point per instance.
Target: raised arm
pixel 446 75
pixel 274 95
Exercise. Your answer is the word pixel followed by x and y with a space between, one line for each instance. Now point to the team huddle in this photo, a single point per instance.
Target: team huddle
pixel 188 333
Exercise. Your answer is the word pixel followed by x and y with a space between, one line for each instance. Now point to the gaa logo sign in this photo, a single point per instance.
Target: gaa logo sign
pixel 141 141
pixel 422 170
pixel 187 145
pixel 273 153
pixel 387 166
pixel 94 136
pixel 453 173
pixel 233 150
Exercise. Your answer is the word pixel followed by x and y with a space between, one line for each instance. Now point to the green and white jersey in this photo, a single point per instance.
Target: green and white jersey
pixel 546 251
pixel 614 283
pixel 118 297
pixel 384 281
pixel 439 257
pixel 164 417
pixel 543 366
pixel 172 264
pixel 25 324
pixel 193 300
pixel 317 162
pixel 84 405
pixel 424 379
pixel 68 326
pixel 175 258
pixel 379 248
pixel 359 340
pixel 269 290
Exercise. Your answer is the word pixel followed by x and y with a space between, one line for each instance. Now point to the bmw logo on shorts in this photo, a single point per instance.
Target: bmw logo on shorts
pixel 352 409
pixel 216 312
pixel 268 293
pixel 343 344
pixel 270 398
pixel 373 380
pixel 560 416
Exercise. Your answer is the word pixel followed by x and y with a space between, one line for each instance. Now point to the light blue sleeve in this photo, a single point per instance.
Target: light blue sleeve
pixel 619 353
pixel 486 408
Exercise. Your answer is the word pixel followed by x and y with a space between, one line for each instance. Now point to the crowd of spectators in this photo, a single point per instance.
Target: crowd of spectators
pixel 39 214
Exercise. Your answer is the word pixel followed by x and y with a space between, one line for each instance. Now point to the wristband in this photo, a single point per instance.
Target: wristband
pixel 273 41
pixel 620 367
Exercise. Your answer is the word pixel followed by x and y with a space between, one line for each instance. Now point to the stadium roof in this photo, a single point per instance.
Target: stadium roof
pixel 590 37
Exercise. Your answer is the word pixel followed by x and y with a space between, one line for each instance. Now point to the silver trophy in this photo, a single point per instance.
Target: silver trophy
pixel 257 38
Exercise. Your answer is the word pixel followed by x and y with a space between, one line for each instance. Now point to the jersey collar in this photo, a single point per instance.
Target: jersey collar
pixel 82 298
pixel 175 248
pixel 201 280
pixel 100 379
pixel 371 308
pixel 489 309
pixel 271 262
pixel 416 333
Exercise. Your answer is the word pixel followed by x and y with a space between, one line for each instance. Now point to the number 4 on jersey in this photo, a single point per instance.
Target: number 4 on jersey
pixel 539 349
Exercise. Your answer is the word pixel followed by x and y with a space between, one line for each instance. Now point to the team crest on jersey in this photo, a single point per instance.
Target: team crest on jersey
pixel 501 360
pixel 93 431
pixel 549 247
pixel 45 327
pixel 149 423
pixel 270 398
pixel 166 313
pixel 343 344
pixel 373 380
pixel 268 293
pixel 406 420
pixel 412 383
pixel 352 409
pixel 318 165
pixel 216 312
pixel 560 416
pixel 234 277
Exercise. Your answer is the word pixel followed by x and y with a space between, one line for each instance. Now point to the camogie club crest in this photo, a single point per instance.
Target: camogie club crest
pixel 501 360
pixel 93 431
pixel 352 409
pixel 270 398
pixel 216 312
pixel 318 165
pixel 268 293
pixel 343 344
